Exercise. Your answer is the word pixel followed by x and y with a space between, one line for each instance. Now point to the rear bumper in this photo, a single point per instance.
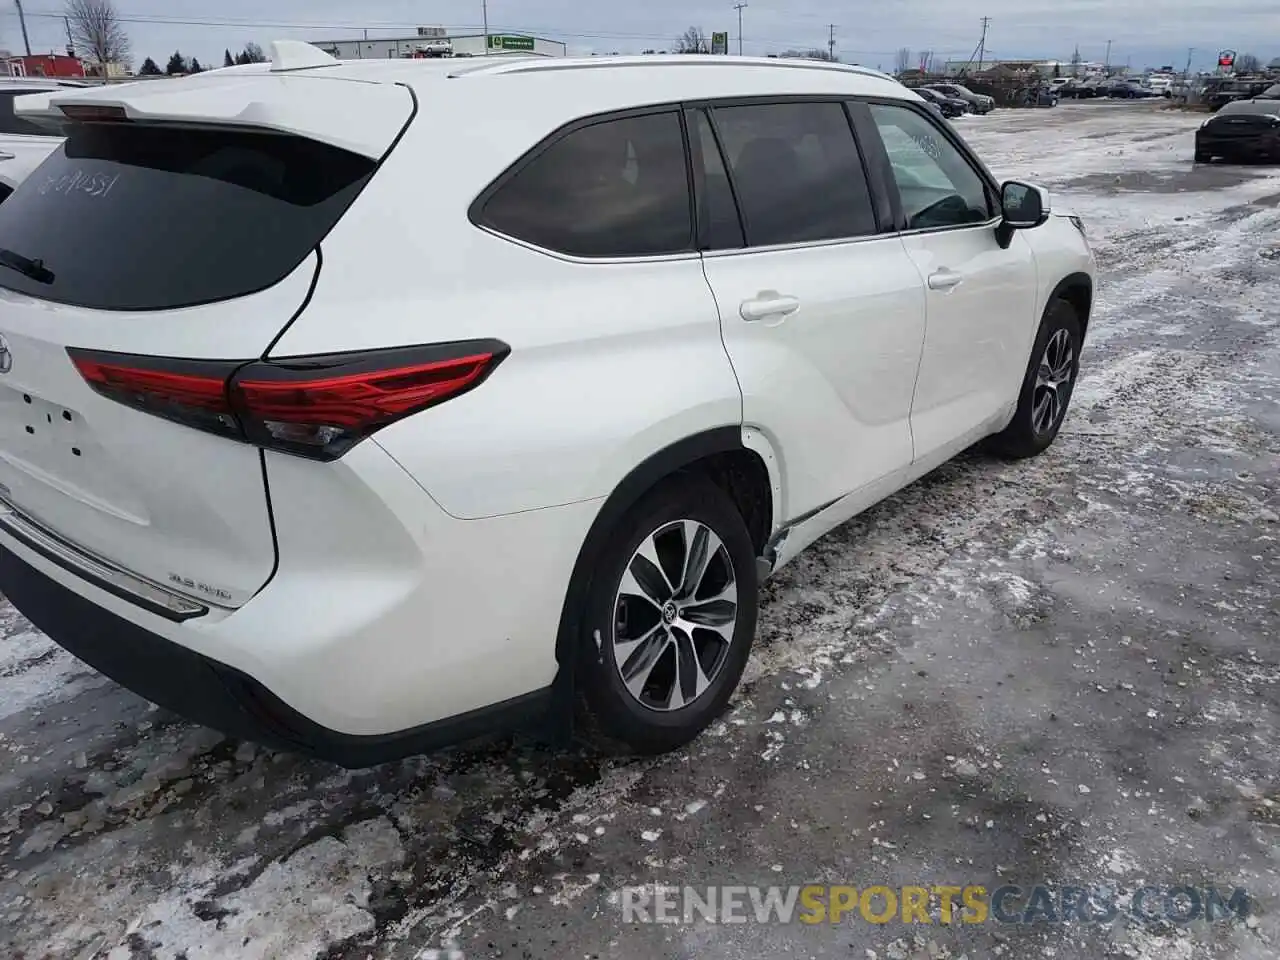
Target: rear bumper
pixel 389 627
pixel 218 696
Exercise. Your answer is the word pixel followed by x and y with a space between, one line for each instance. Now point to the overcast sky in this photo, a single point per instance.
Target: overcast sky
pixel 1150 32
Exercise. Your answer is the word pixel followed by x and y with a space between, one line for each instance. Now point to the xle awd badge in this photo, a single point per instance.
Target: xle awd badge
pixel 6 355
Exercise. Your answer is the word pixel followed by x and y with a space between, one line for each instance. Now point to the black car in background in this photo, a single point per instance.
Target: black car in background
pixel 949 107
pixel 1079 89
pixel 978 103
pixel 1241 130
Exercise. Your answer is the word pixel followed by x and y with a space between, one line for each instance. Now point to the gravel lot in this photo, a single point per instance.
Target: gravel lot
pixel 1058 671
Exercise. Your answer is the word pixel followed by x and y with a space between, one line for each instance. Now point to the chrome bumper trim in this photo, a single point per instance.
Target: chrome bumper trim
pixel 97 570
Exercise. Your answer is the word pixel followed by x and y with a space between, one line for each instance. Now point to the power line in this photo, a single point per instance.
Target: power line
pixel 357 27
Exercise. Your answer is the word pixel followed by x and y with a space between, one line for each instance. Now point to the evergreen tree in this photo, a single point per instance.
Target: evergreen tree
pixel 177 64
pixel 227 59
pixel 149 69
pixel 195 66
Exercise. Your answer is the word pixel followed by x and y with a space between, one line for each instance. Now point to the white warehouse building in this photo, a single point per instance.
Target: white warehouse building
pixel 435 42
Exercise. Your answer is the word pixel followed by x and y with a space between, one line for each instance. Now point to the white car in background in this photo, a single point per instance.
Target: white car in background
pixel 281 459
pixel 23 144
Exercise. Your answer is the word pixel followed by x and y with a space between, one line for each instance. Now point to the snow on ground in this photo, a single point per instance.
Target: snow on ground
pixel 1062 669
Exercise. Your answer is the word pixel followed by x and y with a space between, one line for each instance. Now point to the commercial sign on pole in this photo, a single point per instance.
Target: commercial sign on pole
pixel 497 42
pixel 720 43
pixel 1226 60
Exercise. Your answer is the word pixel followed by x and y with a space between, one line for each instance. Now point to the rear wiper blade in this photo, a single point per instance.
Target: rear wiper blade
pixel 34 269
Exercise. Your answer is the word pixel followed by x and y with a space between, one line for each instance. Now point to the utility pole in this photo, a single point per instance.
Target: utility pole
pixel 22 19
pixel 739 6
pixel 1106 66
pixel 982 44
pixel 71 44
pixel 484 12
pixel 831 41
pixel 1187 72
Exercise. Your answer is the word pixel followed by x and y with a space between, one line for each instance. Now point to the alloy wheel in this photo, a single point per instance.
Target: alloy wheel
pixel 1053 382
pixel 675 613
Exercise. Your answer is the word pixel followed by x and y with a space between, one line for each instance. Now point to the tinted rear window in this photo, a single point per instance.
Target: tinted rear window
pixel 150 218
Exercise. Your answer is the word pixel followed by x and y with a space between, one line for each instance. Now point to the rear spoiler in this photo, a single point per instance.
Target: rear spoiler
pixel 293 94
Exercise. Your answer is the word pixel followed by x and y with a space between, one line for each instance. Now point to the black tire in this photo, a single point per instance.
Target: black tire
pixel 610 718
pixel 1024 436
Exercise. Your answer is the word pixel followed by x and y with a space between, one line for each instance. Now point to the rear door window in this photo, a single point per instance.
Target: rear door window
pixel 796 172
pixel 616 188
pixel 132 217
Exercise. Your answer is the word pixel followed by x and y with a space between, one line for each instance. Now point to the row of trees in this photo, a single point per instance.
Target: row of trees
pixel 178 64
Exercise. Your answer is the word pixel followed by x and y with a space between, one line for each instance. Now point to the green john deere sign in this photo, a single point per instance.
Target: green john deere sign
pixel 510 43
pixel 720 43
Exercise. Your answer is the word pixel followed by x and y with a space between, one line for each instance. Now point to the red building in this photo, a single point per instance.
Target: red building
pixel 45 65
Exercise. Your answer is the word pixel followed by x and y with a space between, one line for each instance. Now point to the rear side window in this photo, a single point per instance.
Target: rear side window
pixel 618 188
pixel 10 123
pixel 796 172
pixel 131 217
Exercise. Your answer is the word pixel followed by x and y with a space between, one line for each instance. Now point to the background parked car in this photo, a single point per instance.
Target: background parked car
pixel 1241 130
pixel 23 145
pixel 948 106
pixel 1124 88
pixel 977 101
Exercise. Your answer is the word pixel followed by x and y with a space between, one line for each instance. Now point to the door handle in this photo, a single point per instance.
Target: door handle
pixel 945 279
pixel 768 303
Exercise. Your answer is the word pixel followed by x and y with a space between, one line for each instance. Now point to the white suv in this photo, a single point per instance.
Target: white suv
pixel 23 144
pixel 285 456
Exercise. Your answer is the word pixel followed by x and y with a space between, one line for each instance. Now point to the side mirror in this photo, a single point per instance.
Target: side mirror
pixel 1023 206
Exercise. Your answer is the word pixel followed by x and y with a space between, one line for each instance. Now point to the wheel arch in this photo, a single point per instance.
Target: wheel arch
pixel 1077 290
pixel 734 463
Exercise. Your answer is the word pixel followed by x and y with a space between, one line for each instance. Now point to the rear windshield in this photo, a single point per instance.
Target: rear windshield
pixel 131 217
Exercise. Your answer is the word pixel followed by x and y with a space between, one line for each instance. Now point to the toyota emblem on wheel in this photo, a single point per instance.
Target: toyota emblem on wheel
pixel 6 355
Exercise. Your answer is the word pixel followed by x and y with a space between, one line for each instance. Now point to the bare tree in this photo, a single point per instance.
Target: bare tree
pixel 96 29
pixel 253 53
pixel 1247 63
pixel 904 60
pixel 693 40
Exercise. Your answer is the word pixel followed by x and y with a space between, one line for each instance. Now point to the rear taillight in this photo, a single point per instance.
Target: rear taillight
pixel 193 392
pixel 317 407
